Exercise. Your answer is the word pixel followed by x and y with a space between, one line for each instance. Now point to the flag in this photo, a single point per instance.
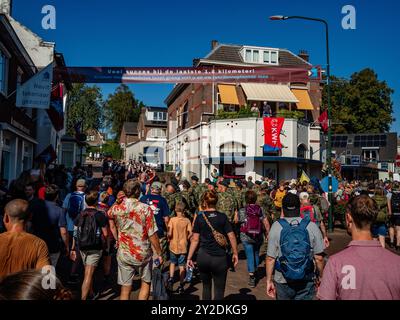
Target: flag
pixel 323 121
pixel 35 93
pixel 272 134
pixel 304 177
pixel 56 110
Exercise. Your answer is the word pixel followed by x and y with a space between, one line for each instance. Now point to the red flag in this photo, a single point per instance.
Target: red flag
pixel 272 133
pixel 323 121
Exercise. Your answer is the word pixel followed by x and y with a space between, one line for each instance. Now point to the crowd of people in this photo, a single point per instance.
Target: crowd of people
pixel 147 224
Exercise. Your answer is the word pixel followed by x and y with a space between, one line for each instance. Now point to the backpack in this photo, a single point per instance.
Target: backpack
pixel 75 205
pixel 308 212
pixel 395 202
pixel 88 232
pixel 252 225
pixel 381 201
pixel 296 262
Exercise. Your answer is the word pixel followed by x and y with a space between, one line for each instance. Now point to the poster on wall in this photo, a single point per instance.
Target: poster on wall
pixel 272 134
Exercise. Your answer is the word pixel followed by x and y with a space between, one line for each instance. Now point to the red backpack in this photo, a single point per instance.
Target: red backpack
pixel 308 211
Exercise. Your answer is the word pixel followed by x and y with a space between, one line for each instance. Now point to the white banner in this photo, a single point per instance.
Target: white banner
pixel 36 92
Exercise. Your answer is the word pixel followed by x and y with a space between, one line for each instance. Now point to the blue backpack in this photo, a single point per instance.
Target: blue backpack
pixel 296 262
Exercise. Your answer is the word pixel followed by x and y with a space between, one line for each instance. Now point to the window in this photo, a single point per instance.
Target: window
pixel 301 151
pixel 157 133
pixel 255 56
pixel 248 55
pixel 185 115
pixel 155 116
pixel 164 116
pixel 267 58
pixel 274 57
pixel 3 73
pixel 339 141
pixel 370 155
pixel 91 138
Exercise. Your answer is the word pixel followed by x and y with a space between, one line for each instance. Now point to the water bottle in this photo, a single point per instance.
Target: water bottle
pixel 189 274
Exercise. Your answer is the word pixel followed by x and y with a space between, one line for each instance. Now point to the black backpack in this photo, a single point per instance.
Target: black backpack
pixel 395 202
pixel 88 231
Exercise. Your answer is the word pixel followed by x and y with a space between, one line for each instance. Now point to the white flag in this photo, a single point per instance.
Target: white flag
pixel 36 92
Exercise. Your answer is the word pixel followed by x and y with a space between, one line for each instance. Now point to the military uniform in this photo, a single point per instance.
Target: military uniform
pixel 227 204
pixel 265 202
pixel 190 202
pixel 197 192
pixel 172 200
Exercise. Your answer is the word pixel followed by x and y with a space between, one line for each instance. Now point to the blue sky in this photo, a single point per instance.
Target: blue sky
pixel 172 33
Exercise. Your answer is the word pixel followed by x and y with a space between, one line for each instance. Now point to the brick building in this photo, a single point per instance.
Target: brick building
pixel 207 128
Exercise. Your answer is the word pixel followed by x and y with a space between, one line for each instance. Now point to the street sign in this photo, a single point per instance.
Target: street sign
pixel 335 184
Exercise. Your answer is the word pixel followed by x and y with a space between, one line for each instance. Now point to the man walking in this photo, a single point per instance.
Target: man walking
pixel 292 246
pixel 133 224
pixel 161 213
pixel 364 270
pixel 19 250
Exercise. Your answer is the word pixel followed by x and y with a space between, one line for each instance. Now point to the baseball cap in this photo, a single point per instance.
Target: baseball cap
pixel 291 205
pixel 81 183
pixel 304 196
pixel 156 185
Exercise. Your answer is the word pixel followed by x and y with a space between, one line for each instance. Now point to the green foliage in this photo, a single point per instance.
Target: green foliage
pixel 120 107
pixel 290 114
pixel 112 147
pixel 361 105
pixel 84 104
pixel 244 112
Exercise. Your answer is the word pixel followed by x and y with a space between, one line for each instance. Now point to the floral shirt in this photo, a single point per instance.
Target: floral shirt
pixel 135 223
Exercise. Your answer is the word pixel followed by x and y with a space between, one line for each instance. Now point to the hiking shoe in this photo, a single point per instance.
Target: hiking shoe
pixel 181 290
pixel 252 281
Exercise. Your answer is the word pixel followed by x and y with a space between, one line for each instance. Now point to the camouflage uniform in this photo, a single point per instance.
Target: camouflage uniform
pixel 227 204
pixel 266 204
pixel 197 193
pixel 190 202
pixel 172 200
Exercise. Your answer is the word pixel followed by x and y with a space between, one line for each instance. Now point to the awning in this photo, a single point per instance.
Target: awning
pixel 304 99
pixel 268 92
pixel 227 93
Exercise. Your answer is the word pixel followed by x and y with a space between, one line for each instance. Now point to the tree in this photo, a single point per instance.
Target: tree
pixel 84 106
pixel 121 107
pixel 361 105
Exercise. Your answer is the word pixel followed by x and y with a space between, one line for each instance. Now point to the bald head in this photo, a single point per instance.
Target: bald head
pixel 17 210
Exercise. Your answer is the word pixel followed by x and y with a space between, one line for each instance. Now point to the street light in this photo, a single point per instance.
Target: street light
pixel 328 83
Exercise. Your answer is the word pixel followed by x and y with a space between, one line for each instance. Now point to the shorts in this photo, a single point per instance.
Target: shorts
pixel 379 230
pixel 394 220
pixel 177 259
pixel 127 272
pixel 91 257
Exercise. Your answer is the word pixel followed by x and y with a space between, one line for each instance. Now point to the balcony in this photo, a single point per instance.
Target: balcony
pixel 245 112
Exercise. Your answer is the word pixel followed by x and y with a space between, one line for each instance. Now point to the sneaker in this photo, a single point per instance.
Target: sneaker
pixel 397 248
pixel 94 296
pixel 181 289
pixel 252 281
pixel 391 245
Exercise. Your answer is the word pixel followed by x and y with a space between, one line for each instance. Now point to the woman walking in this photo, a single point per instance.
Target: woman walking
pixel 253 223
pixel 211 230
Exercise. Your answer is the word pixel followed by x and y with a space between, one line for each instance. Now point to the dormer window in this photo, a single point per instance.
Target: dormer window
pixel 261 56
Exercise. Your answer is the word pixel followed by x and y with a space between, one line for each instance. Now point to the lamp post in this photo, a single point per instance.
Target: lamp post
pixel 328 83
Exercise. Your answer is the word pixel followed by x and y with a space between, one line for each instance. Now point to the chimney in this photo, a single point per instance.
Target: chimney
pixel 214 43
pixel 304 55
pixel 6 7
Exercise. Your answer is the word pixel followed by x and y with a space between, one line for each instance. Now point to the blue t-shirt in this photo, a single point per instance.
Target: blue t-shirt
pixel 160 208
